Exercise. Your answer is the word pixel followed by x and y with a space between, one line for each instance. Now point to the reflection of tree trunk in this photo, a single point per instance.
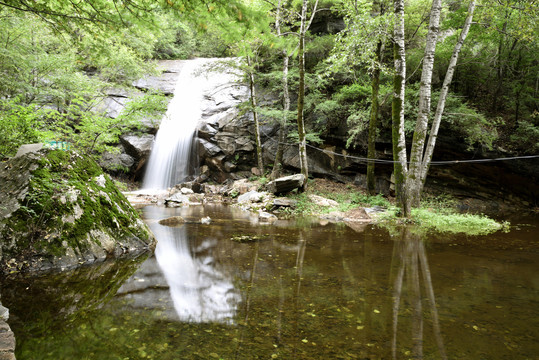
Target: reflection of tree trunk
pixel 280 310
pixel 417 317
pixel 397 291
pixel 432 301
pixel 299 273
pixel 247 301
pixel 411 259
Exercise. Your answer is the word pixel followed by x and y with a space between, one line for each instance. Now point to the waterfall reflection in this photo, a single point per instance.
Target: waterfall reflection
pixel 410 258
pixel 200 292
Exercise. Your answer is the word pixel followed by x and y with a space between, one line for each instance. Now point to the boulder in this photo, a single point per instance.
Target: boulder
pixel 322 201
pixel 176 200
pixel 286 184
pixel 59 210
pixel 114 162
pixel 250 197
pixel 137 146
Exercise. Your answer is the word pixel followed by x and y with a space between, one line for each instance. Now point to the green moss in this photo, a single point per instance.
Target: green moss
pixel 40 221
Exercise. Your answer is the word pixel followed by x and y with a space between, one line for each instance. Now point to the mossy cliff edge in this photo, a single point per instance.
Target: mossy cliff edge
pixel 58 210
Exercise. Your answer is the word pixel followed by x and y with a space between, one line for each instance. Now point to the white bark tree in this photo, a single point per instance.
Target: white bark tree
pixel 409 180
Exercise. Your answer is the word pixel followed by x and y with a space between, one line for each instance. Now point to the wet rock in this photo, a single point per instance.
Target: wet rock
pixel 286 184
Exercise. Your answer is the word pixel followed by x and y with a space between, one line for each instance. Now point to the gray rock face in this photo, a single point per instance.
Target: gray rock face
pixel 138 147
pixel 166 81
pixel 59 210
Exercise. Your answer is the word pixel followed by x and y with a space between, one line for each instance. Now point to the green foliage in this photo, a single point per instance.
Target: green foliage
pixel 356 45
pixel 18 125
pixel 525 139
pixel 459 118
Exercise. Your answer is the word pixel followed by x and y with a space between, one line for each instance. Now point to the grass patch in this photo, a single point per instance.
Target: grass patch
pixel 439 215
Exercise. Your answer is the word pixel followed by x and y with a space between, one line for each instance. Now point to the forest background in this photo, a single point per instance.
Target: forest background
pixel 58 60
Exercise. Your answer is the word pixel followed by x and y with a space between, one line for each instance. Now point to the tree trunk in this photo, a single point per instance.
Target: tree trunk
pixel 443 94
pixel 373 123
pixel 413 181
pixel 301 95
pixel 378 10
pixel 399 85
pixel 277 164
pixel 260 162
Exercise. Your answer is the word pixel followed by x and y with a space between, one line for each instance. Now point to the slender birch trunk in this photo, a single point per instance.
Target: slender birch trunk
pixel 413 181
pixel 443 94
pixel 301 95
pixel 399 85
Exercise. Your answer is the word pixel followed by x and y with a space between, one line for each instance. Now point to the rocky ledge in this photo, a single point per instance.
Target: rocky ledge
pixel 59 210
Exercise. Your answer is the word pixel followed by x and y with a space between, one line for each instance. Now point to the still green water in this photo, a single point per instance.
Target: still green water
pixel 238 289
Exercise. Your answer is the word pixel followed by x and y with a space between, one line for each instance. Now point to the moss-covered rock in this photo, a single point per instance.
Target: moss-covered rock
pixel 58 210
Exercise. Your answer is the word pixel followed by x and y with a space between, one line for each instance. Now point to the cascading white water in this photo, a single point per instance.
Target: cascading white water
pixel 169 159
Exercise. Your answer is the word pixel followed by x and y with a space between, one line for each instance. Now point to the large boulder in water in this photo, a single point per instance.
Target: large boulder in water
pixel 59 210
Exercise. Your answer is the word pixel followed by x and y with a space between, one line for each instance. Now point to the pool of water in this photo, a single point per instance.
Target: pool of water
pixel 238 289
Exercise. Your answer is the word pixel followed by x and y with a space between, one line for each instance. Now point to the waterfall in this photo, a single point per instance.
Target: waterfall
pixel 169 160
